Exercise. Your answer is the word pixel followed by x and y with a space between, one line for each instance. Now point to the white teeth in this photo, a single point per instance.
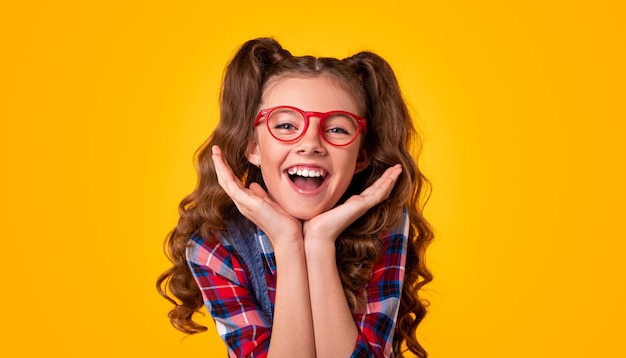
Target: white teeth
pixel 308 173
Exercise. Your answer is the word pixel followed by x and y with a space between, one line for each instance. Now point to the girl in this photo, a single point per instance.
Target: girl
pixel 305 235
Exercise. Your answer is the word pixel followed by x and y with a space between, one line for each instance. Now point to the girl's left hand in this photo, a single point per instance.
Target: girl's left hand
pixel 330 224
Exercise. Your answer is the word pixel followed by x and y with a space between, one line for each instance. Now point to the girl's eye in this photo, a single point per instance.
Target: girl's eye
pixel 340 125
pixel 337 130
pixel 285 126
pixel 285 122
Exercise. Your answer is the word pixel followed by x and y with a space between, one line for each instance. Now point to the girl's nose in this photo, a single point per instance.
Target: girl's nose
pixel 312 141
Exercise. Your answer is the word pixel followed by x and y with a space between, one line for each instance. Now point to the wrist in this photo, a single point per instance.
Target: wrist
pixel 315 247
pixel 288 247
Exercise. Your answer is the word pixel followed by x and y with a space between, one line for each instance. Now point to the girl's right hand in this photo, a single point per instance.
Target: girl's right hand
pixel 256 205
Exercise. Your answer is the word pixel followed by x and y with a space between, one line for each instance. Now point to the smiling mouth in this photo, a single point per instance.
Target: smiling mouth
pixel 306 179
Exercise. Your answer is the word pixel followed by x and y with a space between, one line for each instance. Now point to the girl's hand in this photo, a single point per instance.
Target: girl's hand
pixel 330 224
pixel 256 205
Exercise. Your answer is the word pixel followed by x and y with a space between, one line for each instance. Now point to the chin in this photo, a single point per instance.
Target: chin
pixel 302 214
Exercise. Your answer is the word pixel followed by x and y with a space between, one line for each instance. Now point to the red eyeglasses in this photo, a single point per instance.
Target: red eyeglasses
pixel 288 124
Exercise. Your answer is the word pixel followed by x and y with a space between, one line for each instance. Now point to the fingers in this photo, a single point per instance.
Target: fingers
pixel 329 224
pixel 382 187
pixel 229 182
pixel 222 169
pixel 378 191
pixel 255 204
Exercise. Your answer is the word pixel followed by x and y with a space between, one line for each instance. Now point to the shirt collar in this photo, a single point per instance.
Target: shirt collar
pixel 267 249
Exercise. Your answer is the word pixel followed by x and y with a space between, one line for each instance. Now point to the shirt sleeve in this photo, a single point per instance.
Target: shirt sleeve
pixel 376 321
pixel 226 293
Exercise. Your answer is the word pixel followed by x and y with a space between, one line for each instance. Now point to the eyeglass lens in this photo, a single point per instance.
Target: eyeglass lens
pixel 288 124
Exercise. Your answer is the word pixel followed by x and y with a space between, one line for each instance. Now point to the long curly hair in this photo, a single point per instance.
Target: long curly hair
pixel 391 138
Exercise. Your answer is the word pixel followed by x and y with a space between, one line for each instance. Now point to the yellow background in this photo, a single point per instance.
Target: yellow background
pixel 522 108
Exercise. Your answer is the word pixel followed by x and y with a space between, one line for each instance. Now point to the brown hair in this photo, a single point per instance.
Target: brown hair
pixel 389 139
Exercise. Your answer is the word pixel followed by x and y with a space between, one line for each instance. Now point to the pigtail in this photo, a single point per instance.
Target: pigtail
pixel 205 209
pixel 391 139
pixel 240 96
pixel 387 112
pixel 245 75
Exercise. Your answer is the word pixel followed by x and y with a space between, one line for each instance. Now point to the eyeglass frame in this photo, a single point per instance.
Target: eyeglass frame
pixel 361 127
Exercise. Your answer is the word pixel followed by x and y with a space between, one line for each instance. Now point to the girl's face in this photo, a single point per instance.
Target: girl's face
pixel 308 176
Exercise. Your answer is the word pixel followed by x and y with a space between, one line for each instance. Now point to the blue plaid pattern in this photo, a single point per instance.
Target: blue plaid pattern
pixel 226 290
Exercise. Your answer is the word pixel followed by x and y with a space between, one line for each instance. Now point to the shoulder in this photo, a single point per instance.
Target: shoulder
pixel 397 238
pixel 214 255
pixel 200 250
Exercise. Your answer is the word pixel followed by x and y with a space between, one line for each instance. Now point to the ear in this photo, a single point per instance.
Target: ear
pixel 253 153
pixel 362 161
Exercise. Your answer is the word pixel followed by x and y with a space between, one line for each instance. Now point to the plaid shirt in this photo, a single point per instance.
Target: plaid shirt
pixel 226 290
